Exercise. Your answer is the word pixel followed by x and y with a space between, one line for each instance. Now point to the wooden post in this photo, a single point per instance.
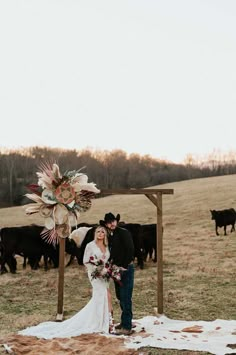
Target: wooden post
pixel 159 237
pixel 61 279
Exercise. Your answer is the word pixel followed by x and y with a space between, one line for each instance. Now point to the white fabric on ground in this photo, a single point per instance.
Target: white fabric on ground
pixel 162 332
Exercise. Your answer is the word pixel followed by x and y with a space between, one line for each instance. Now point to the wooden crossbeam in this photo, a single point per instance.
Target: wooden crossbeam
pixel 137 191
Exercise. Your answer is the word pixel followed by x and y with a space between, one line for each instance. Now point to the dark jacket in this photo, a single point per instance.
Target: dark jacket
pixel 121 247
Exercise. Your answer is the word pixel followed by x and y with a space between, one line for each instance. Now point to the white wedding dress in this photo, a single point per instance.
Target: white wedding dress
pixel 93 318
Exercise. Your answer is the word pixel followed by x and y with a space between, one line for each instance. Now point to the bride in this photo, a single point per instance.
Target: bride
pixel 96 316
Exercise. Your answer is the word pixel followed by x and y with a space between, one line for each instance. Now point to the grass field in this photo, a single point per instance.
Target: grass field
pixel 199 267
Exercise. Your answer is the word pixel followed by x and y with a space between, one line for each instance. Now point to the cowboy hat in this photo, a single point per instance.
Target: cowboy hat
pixel 109 217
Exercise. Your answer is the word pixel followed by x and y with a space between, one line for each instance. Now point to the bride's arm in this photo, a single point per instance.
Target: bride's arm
pixel 87 254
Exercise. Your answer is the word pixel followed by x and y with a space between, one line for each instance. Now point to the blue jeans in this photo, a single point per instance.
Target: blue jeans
pixel 124 295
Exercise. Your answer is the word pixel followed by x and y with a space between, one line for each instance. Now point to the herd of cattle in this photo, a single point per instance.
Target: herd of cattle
pixel 27 242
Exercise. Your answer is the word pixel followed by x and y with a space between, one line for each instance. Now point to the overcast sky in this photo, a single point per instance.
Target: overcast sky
pixel 148 77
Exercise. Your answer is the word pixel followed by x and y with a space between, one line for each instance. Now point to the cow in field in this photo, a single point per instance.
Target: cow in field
pixel 149 238
pixel 27 241
pixel 223 218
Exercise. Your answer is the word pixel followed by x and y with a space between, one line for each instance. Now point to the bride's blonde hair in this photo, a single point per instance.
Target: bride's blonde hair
pixel 105 240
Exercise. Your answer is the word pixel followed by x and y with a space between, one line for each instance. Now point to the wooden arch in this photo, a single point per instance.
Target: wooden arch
pixel 155 196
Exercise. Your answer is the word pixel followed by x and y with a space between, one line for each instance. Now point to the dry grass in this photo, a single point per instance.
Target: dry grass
pixel 199 268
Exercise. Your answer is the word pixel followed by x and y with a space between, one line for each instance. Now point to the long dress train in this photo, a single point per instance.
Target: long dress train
pixel 93 318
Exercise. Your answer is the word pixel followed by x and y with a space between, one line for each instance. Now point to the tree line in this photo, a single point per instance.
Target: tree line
pixel 108 169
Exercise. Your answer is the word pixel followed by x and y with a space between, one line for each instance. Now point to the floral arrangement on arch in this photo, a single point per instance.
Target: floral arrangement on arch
pixel 105 271
pixel 59 198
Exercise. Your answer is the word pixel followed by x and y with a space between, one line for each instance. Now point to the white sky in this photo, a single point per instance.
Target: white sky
pixel 148 77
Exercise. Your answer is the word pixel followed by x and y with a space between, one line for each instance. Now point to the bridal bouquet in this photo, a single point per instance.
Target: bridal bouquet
pixel 59 198
pixel 106 271
pixel 98 266
pixel 116 272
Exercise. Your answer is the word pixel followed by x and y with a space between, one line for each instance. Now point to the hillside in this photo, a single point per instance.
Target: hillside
pixel 183 212
pixel 199 267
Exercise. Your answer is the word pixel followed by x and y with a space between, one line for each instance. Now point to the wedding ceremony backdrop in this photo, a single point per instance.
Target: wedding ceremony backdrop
pixel 155 196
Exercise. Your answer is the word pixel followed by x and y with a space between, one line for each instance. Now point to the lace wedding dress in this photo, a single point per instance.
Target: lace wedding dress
pixel 93 318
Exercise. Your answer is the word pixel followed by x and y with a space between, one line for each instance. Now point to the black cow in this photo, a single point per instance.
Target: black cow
pixel 27 241
pixel 149 239
pixel 223 218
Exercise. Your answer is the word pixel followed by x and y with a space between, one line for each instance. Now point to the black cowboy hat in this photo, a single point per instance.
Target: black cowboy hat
pixel 109 217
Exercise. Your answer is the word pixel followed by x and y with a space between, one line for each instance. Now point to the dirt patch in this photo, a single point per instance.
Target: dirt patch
pixel 84 345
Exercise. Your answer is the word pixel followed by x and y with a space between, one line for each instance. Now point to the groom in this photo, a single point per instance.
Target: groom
pixel 122 254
